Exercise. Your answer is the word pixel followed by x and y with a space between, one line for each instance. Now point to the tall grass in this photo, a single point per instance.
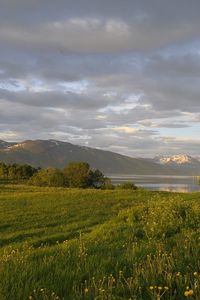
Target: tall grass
pixel 87 244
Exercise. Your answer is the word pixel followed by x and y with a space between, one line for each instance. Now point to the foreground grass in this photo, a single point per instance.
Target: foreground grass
pixel 90 244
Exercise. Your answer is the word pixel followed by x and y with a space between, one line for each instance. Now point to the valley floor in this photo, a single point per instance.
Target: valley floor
pixel 69 244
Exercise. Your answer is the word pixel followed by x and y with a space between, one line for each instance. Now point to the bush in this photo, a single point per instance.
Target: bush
pixel 126 186
pixel 107 184
pixel 78 174
pixel 51 177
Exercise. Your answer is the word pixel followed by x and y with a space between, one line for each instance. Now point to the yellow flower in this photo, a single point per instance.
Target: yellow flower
pixel 188 293
pixel 160 288
pixel 86 290
pixel 151 287
pixel 195 274
pixel 166 288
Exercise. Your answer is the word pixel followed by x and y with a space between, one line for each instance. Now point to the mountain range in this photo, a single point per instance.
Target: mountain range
pixel 182 163
pixel 45 153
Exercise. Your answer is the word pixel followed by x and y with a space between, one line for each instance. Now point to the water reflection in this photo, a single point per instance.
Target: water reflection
pixel 182 184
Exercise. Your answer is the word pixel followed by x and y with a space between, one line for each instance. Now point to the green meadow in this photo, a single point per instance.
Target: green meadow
pixel 71 244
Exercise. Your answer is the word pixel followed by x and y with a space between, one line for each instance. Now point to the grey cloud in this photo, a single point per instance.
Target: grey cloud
pixel 93 26
pixel 139 61
pixel 56 99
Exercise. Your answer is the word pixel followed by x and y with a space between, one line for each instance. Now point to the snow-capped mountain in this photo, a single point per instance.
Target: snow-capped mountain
pixel 185 164
pixel 179 159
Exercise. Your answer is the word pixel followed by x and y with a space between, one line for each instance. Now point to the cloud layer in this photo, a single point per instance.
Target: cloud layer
pixel 118 75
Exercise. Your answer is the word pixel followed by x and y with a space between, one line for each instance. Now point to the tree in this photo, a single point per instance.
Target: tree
pixel 26 171
pixel 96 178
pixel 78 174
pixel 20 172
pixel 3 171
pixel 51 177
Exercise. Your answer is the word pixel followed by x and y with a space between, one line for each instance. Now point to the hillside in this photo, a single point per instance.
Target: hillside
pixel 44 153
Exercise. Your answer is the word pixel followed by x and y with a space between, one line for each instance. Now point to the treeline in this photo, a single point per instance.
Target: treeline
pixel 75 174
pixel 16 171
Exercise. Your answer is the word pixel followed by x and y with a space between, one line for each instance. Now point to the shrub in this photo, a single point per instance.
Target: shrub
pixel 126 186
pixel 107 184
pixel 51 177
pixel 78 174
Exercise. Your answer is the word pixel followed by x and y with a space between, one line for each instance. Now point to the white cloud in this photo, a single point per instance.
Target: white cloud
pixel 125 129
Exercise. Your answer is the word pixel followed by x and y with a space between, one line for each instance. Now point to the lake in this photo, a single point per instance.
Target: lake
pixel 182 184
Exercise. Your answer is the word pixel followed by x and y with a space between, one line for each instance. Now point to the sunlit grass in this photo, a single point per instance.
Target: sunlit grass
pixel 88 244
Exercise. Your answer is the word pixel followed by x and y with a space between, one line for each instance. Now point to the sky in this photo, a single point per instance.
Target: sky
pixel 120 75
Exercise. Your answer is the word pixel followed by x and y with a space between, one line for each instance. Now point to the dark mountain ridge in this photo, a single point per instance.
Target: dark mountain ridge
pixel 45 153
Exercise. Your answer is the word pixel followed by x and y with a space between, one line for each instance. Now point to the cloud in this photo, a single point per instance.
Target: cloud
pixel 118 75
pixel 125 129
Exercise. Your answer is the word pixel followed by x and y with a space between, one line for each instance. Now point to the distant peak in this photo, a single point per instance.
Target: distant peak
pixel 176 159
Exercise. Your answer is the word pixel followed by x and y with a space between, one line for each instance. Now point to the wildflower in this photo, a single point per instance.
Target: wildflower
pixel 195 274
pixel 86 290
pixel 188 293
pixel 151 288
pixel 160 288
pixel 166 288
pixel 178 274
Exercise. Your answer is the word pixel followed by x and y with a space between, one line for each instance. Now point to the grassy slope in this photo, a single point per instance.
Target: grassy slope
pixel 69 242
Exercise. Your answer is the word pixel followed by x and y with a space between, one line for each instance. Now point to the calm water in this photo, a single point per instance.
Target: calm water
pixel 160 183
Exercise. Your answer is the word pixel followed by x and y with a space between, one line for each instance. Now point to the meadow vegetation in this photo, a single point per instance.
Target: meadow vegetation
pixel 58 243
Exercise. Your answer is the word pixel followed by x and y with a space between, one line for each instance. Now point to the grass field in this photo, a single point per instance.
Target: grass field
pixel 90 244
